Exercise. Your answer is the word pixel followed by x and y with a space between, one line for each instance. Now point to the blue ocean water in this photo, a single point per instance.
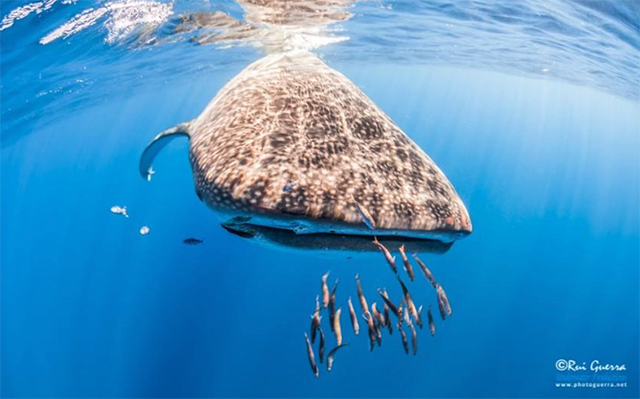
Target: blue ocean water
pixel 531 110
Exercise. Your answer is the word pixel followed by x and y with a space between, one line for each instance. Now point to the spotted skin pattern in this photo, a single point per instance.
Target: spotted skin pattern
pixel 289 117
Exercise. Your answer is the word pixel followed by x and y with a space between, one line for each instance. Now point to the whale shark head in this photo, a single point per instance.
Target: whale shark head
pixel 289 150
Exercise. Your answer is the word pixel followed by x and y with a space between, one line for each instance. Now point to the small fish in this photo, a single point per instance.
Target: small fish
pixel 332 304
pixel 332 354
pixel 354 318
pixel 321 345
pixel 374 312
pixel 378 332
pixel 432 326
pixel 405 317
pixel 120 210
pixel 366 217
pixel 387 301
pixel 150 173
pixel 445 300
pixel 315 321
pixel 325 290
pixel 410 305
pixel 425 271
pixel 405 343
pixel 391 260
pixel 312 358
pixel 336 327
pixel 361 297
pixel 407 265
pixel 370 329
pixel 376 322
pixel 144 230
pixel 387 318
pixel 192 241
pixel 414 335
pixel 377 315
pixel 443 312
pixel 289 186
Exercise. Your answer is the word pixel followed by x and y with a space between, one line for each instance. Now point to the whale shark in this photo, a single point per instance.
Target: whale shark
pixel 290 151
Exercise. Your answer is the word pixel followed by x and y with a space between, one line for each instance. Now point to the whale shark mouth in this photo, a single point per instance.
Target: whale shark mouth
pixel 338 240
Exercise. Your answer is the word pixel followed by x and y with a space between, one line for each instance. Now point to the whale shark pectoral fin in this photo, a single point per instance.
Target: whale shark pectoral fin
pixel 158 143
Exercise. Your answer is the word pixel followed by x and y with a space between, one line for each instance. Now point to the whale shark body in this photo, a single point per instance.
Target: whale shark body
pixel 289 149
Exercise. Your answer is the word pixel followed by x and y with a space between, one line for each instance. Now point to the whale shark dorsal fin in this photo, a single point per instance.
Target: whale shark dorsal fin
pixel 158 143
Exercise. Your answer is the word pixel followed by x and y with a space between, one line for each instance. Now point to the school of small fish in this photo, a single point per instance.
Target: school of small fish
pixel 404 310
pixel 376 318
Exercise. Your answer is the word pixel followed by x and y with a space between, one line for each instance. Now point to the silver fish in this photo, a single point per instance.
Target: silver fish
pixel 391 260
pixel 387 318
pixel 361 297
pixel 432 326
pixel 325 290
pixel 120 210
pixel 337 329
pixel 425 271
pixel 414 340
pixel 192 241
pixel 377 330
pixel 407 265
pixel 405 317
pixel 315 321
pixel 443 312
pixel 376 323
pixel 377 315
pixel 414 335
pixel 405 343
pixel 332 304
pixel 387 301
pixel 445 300
pixel 332 354
pixel 312 358
pixel 321 345
pixel 366 217
pixel 370 329
pixel 410 304
pixel 354 318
